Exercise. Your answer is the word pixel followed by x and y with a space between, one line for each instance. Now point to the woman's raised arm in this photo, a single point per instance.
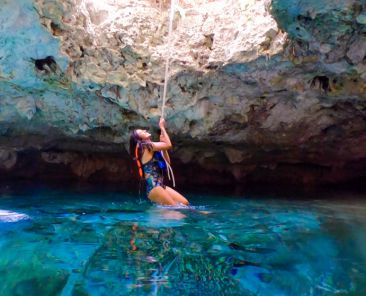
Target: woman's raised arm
pixel 165 143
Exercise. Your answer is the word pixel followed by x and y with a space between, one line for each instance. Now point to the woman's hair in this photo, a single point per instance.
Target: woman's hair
pixel 136 140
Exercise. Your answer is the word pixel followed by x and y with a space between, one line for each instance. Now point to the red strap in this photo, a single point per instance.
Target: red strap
pixel 138 161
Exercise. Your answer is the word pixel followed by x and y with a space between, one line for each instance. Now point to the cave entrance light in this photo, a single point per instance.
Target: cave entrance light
pixel 108 5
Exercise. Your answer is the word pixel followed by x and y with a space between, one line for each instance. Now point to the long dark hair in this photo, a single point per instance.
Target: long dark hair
pixel 136 140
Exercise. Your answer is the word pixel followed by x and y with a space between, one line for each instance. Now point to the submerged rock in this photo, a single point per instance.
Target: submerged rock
pixel 276 95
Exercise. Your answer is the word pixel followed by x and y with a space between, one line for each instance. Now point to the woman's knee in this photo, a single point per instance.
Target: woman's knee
pixel 161 196
pixel 176 196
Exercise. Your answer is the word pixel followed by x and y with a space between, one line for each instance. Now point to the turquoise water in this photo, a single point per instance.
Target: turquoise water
pixel 82 242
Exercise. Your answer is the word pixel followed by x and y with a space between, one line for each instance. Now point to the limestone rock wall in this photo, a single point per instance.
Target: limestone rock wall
pixel 258 90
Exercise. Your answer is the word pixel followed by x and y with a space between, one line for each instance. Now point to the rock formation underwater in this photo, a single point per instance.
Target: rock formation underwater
pixel 259 91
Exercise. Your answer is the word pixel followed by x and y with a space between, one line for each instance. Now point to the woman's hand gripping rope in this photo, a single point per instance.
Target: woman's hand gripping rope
pixel 165 154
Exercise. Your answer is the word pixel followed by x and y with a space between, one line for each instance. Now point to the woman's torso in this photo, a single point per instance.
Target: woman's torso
pixel 153 173
pixel 151 164
pixel 146 156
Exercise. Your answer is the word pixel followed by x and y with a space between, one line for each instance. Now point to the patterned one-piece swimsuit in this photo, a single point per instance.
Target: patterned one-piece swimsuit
pixel 153 174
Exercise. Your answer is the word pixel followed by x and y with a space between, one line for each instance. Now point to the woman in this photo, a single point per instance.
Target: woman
pixel 148 157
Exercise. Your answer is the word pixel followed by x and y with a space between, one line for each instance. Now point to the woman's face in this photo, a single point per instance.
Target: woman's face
pixel 143 134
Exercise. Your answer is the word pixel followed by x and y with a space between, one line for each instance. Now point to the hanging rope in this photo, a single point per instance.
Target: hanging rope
pixel 167 62
pixel 169 170
pixel 172 11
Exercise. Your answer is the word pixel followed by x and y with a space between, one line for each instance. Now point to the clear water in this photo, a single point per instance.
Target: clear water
pixel 109 243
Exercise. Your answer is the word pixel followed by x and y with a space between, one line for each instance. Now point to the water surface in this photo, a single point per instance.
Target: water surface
pixel 87 242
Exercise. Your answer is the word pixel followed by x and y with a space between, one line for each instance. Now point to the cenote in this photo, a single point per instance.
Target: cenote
pixel 239 94
pixel 96 242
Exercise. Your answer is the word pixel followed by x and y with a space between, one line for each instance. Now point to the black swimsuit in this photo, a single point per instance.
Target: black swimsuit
pixel 153 173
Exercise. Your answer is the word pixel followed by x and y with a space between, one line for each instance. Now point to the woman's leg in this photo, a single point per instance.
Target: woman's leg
pixel 176 196
pixel 161 196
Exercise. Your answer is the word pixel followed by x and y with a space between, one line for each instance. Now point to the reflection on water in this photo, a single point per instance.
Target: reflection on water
pixel 111 244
